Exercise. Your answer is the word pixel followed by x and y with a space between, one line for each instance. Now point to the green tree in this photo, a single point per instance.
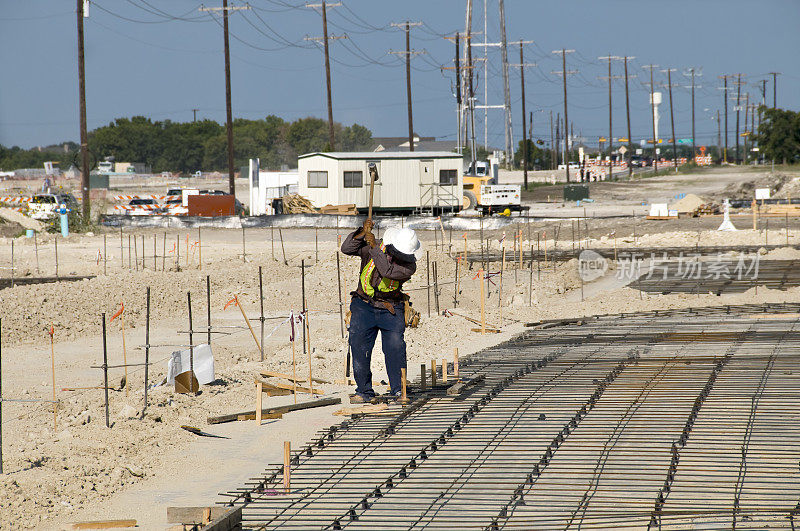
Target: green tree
pixel 536 156
pixel 356 138
pixel 191 146
pixel 778 135
pixel 466 152
pixel 308 135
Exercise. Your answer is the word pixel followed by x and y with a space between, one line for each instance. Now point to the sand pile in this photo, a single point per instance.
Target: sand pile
pixel 688 204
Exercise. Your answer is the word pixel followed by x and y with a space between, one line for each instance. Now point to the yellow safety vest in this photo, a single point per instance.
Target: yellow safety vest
pixel 384 285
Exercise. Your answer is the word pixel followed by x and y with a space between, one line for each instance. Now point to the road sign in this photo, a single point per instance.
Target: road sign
pixel 623 140
pixel 684 141
pixel 623 149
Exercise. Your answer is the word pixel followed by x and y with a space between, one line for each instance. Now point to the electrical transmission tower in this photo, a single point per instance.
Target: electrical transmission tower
pixel 502 44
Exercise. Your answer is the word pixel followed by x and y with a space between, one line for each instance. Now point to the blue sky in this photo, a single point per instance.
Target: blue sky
pixel 163 58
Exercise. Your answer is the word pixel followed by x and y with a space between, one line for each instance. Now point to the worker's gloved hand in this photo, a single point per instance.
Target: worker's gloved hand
pixel 367 227
pixel 370 239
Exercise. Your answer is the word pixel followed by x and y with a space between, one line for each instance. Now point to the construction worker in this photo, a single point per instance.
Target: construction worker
pixel 378 303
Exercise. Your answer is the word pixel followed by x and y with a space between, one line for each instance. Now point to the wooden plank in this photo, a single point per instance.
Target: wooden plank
pixel 488 330
pixel 279 409
pixel 271 390
pixel 104 524
pixel 193 515
pixel 252 416
pixel 290 388
pixel 274 374
pixel 230 521
pixel 366 409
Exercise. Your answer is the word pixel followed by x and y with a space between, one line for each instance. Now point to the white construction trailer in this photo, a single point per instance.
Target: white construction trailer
pixel 410 182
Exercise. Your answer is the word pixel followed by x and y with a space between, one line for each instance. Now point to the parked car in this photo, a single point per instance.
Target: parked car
pixel 175 191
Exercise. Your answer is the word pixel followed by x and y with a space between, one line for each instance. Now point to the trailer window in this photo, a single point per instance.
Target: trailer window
pixel 317 179
pixel 448 176
pixel 353 179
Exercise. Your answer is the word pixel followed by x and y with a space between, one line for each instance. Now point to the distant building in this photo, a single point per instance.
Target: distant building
pixel 421 143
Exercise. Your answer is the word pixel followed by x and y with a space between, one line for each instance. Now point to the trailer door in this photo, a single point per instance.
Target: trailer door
pixel 427 185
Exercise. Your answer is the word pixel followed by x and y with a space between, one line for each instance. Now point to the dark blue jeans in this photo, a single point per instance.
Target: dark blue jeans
pixel 365 322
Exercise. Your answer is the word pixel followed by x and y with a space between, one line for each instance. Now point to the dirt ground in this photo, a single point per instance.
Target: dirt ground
pixel 81 470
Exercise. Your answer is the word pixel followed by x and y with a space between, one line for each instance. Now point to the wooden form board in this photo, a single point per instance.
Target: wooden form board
pixel 274 374
pixel 194 515
pixel 104 524
pixel 232 417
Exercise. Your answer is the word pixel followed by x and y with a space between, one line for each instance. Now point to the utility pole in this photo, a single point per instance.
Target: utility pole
pixel 563 75
pixel 653 109
pixel 468 86
pixel 408 53
pixel 471 101
pixel 457 66
pixel 325 39
pixel 522 64
pixel 86 203
pixel 558 139
pixel 610 78
pixel 719 132
pixel 524 135
pixel 763 88
pixel 746 129
pixel 628 111
pixel 693 72
pixel 738 108
pixel 458 91
pixel 669 72
pixel 552 144
pixel 194 115
pixel 228 112
pixel 725 102
pixel 774 88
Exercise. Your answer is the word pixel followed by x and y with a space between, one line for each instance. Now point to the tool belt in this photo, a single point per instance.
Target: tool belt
pixel 411 317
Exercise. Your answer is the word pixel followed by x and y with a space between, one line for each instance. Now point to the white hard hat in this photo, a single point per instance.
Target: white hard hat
pixel 404 240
